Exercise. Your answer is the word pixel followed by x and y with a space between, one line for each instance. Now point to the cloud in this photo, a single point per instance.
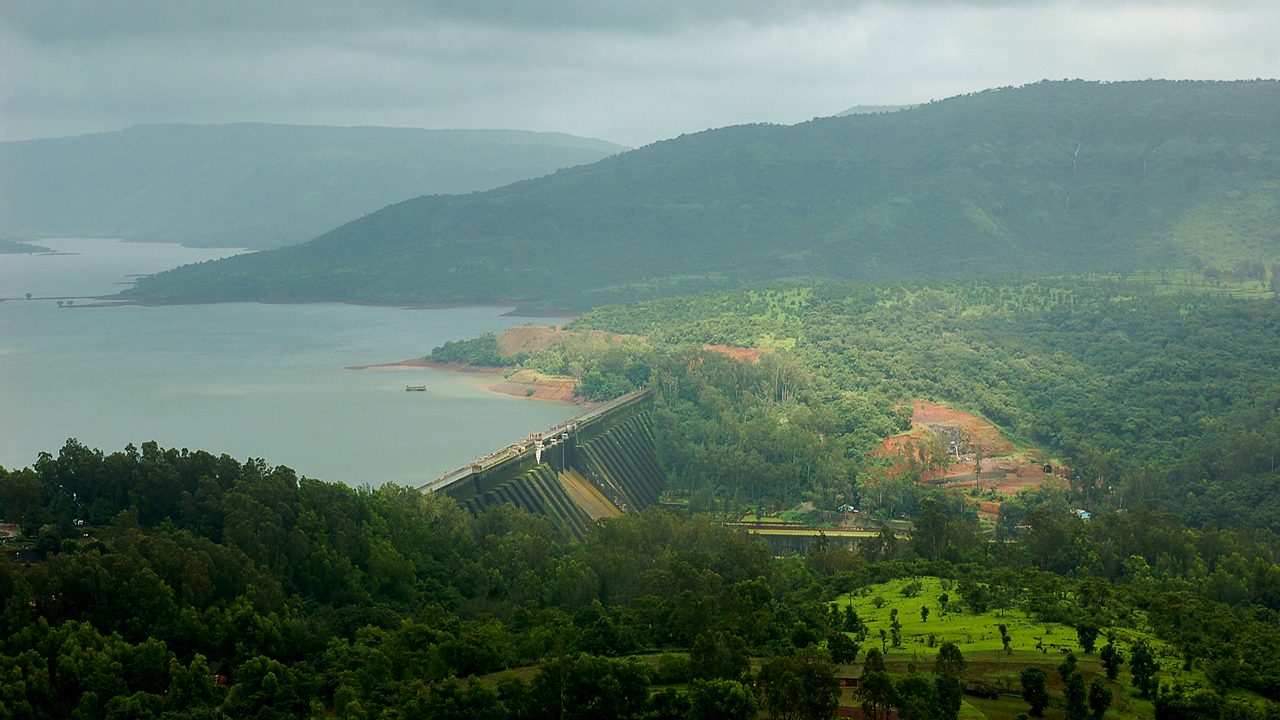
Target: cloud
pixel 625 71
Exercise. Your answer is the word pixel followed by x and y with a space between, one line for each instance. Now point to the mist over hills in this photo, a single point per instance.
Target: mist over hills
pixel 252 184
pixel 1050 178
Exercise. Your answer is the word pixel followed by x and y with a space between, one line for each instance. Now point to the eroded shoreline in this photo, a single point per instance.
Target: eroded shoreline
pixel 524 384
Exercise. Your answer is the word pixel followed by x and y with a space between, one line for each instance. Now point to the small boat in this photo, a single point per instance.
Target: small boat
pixel 415 388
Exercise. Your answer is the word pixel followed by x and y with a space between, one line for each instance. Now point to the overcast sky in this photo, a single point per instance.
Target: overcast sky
pixel 630 72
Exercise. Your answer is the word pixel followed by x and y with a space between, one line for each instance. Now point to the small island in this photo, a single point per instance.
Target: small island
pixel 15 247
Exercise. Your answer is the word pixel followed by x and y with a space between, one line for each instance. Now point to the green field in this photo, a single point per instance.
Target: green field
pixel 978 637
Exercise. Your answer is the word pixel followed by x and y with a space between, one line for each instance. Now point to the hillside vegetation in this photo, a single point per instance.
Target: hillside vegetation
pixel 203 587
pixel 1051 178
pixel 255 185
pixel 1136 386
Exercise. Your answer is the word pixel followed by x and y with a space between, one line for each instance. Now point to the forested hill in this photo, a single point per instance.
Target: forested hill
pixel 255 185
pixel 1050 178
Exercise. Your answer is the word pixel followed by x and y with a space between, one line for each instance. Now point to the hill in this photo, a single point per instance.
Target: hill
pixel 1051 178
pixel 255 185
pixel 872 109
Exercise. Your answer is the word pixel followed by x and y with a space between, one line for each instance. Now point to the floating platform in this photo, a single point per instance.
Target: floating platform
pixel 415 388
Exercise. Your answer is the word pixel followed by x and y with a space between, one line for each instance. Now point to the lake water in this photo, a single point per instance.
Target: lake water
pixel 247 379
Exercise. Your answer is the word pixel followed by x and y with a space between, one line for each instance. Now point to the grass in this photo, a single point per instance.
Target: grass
pixel 971 633
pixel 978 637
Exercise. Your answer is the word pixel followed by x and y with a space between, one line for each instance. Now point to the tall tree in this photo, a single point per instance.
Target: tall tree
pixel 876 692
pixel 1074 692
pixel 1088 636
pixel 802 686
pixel 1034 690
pixel 1142 664
pixel 1111 659
pixel 948 668
pixel 1099 698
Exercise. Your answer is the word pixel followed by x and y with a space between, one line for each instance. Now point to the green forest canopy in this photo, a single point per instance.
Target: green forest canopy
pixel 1137 384
pixel 225 589
pixel 1050 178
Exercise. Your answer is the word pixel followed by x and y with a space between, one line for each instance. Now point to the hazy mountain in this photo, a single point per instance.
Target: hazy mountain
pixel 1051 178
pixel 256 185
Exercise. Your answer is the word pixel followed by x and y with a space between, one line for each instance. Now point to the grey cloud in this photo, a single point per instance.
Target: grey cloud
pixel 89 20
pixel 631 73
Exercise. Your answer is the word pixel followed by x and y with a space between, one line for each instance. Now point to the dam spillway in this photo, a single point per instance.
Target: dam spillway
pixel 598 464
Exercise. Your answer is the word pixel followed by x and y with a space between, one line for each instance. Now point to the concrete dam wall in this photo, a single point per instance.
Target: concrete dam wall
pixel 599 464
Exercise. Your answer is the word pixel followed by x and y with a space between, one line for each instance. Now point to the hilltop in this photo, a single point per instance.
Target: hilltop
pixel 1050 178
pixel 253 184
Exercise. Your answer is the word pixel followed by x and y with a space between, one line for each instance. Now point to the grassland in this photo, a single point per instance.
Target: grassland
pixel 978 637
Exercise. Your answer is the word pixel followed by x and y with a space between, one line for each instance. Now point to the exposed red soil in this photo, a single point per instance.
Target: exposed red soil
pixel 536 386
pixel 529 338
pixel 532 338
pixel 1002 469
pixel 926 412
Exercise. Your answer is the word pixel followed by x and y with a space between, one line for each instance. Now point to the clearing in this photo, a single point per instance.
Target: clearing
pixel 946 444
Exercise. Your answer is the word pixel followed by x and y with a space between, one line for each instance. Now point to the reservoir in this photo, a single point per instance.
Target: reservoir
pixel 246 379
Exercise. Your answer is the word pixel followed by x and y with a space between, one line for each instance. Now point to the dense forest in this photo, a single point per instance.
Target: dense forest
pixel 253 184
pixel 1050 178
pixel 1137 385
pixel 179 584
pixel 154 583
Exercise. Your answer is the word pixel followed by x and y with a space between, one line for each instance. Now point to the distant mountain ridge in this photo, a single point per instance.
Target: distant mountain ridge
pixel 256 184
pixel 1050 178
pixel 873 109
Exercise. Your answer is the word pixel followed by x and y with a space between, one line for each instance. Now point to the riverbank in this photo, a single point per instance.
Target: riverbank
pixel 527 384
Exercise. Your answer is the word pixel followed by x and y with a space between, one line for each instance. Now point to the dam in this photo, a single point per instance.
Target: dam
pixel 598 464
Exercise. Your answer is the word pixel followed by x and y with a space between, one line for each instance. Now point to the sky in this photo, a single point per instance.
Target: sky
pixel 630 72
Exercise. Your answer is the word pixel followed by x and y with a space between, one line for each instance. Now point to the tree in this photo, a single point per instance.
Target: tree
pixel 924 613
pixel 668 704
pixel 843 650
pixel 1034 690
pixel 1088 636
pixel 948 668
pixel 21 494
pixel 876 692
pixel 1005 639
pixel 937 533
pixel 917 698
pixel 720 700
pixel 802 686
pixel 718 654
pixel 590 687
pixel 264 688
pixel 1074 693
pixel 451 701
pixel 1181 703
pixel 1111 658
pixel 1099 698
pixel 1142 664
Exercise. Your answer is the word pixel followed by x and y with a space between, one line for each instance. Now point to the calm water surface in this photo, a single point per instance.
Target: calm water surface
pixel 248 379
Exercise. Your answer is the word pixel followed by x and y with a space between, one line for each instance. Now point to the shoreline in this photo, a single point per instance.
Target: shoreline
pixel 515 309
pixel 489 379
